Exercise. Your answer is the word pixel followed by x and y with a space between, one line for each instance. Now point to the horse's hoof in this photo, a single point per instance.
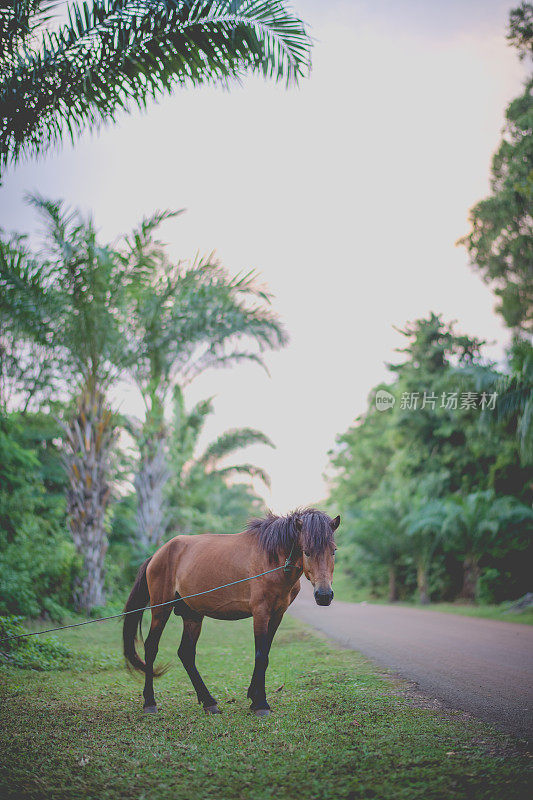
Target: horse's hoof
pixel 212 709
pixel 261 712
pixel 150 710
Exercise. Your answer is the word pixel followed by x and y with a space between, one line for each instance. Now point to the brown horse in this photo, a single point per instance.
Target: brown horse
pixel 300 542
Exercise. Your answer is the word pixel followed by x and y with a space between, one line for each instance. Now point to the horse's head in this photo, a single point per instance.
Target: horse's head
pixel 318 548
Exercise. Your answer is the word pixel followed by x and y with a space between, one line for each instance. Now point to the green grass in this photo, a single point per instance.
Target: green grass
pixel 487 612
pixel 338 729
pixel 345 590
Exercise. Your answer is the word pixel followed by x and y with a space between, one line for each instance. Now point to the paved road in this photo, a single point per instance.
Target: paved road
pixel 480 666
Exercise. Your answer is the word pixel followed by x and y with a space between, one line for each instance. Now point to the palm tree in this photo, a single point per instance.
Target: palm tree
pixel 66 297
pixel 194 476
pixel 181 319
pixel 88 285
pixel 482 524
pixel 112 55
pixel 90 435
pixel 424 527
pixel 380 532
pixel 424 524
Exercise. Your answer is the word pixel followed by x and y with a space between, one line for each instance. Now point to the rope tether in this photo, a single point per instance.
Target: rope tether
pixel 285 567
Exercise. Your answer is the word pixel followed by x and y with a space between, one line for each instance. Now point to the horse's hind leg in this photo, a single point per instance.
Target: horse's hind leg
pixel 187 653
pixel 159 620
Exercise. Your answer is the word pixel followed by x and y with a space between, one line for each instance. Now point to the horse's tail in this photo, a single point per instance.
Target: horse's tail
pixel 131 632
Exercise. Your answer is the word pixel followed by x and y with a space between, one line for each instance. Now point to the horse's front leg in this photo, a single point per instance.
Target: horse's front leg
pixel 265 627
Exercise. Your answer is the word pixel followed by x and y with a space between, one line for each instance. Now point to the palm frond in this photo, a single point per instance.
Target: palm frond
pixel 428 518
pixel 185 318
pixel 87 280
pixel 19 21
pixel 245 469
pixel 213 358
pixel 113 55
pixel 229 442
pixel 25 305
pixel 142 253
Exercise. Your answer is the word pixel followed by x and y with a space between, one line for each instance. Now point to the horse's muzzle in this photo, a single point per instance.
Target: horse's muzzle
pixel 323 598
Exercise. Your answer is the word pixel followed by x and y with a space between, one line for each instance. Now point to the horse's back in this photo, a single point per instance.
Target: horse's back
pixel 224 550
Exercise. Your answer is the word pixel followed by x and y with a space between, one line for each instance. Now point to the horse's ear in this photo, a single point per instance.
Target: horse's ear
pixel 298 523
pixel 336 522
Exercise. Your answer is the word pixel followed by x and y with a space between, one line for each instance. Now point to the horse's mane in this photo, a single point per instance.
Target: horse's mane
pixel 278 534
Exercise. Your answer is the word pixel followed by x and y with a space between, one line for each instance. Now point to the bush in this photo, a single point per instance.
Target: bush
pixel 33 652
pixel 38 562
pixel 37 572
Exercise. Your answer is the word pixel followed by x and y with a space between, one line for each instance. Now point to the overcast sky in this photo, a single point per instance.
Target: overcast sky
pixel 346 194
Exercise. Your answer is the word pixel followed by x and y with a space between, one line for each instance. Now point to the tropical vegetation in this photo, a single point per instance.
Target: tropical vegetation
pixel 436 488
pixel 435 478
pixel 78 477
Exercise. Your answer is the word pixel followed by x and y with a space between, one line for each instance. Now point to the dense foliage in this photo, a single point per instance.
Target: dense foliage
pixel 434 486
pixel 38 561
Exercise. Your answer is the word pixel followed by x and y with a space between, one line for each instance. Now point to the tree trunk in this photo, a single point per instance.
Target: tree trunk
pixel 150 481
pixel 422 583
pixel 90 436
pixel 90 590
pixel 470 578
pixel 392 584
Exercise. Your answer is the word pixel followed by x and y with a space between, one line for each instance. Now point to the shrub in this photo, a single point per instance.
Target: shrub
pixel 32 652
pixel 38 562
